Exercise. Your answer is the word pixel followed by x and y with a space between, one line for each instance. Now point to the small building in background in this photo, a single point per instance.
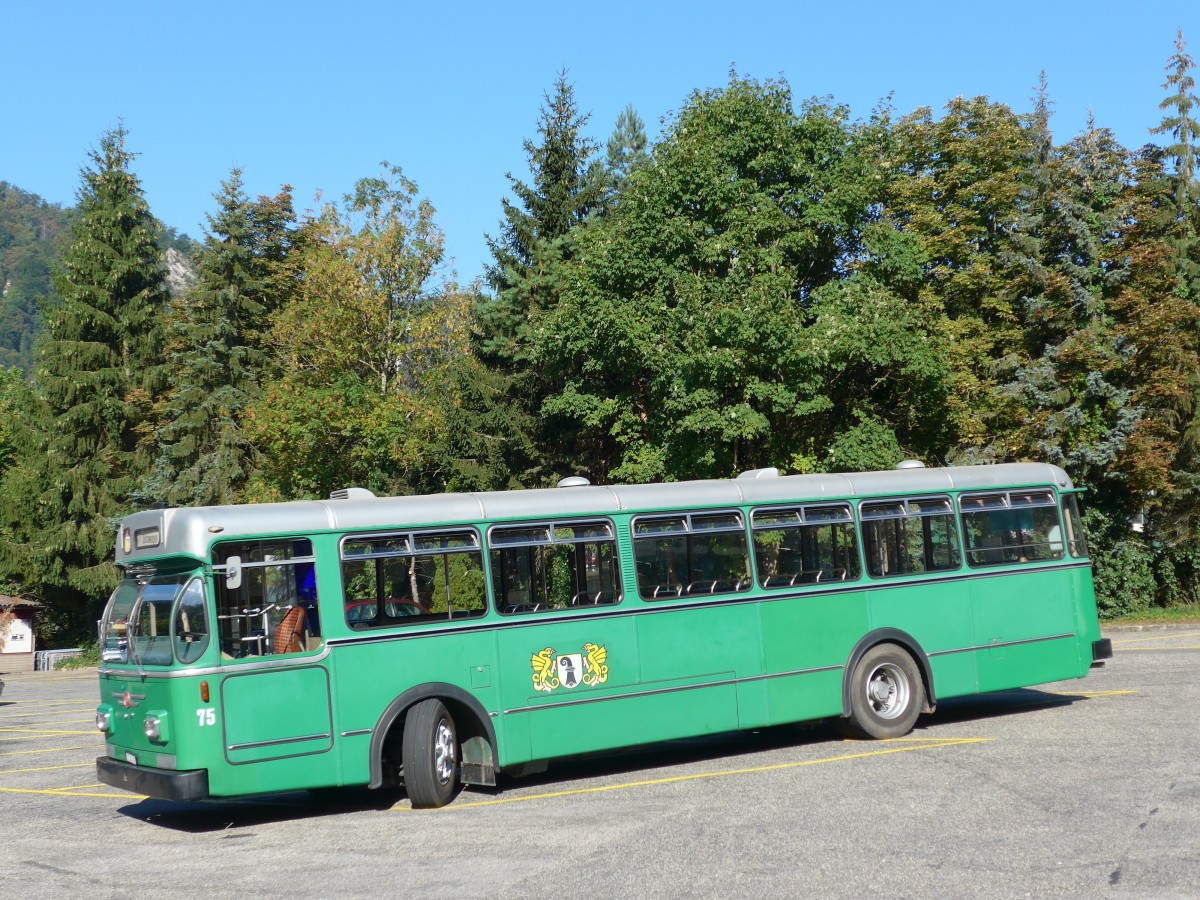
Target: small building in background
pixel 16 634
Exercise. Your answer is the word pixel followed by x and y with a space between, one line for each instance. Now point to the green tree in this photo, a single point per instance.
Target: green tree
pixel 534 230
pixel 1175 223
pixel 1076 411
pixel 82 455
pixel 679 349
pixel 244 273
pixel 29 232
pixel 956 188
pixel 625 151
pixel 364 352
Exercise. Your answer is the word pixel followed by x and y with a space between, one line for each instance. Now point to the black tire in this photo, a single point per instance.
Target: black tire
pixel 430 755
pixel 886 694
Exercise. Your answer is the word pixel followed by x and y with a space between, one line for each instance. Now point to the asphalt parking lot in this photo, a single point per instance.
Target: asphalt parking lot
pixel 1087 787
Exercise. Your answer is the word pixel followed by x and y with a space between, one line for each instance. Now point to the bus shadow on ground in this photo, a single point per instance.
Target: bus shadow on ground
pixel 997 703
pixel 235 815
pixel 646 762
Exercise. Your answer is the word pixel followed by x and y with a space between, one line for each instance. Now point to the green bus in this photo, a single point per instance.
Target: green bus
pixel 432 641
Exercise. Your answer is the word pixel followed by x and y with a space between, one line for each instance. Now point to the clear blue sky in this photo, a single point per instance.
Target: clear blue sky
pixel 316 94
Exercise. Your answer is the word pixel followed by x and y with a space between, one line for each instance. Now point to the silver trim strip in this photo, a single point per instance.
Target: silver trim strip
pixel 254 745
pixel 357 732
pixel 1036 640
pixel 628 695
pixel 272 662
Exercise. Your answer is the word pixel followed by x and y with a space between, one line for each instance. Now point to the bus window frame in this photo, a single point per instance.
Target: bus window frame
pixel 256 633
pixel 803 522
pixel 689 533
pixel 904 502
pixel 412 537
pixel 499 601
pixel 1008 504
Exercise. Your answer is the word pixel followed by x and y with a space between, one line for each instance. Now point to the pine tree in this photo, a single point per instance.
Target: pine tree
pixel 1177 220
pixel 1181 124
pixel 534 231
pixel 626 150
pixel 217 358
pixel 83 454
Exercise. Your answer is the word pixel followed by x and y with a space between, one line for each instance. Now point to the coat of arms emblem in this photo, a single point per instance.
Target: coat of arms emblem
pixel 569 670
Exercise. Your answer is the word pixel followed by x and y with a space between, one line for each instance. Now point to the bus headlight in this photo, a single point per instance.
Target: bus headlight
pixel 104 721
pixel 151 727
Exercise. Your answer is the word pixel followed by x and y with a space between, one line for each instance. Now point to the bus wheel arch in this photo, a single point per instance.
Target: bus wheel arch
pixel 476 736
pixel 907 647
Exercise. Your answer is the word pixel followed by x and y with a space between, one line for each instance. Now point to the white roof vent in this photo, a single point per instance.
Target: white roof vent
pixel 751 474
pixel 910 464
pixel 351 494
pixel 574 481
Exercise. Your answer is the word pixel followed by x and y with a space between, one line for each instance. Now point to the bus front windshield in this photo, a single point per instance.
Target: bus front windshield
pixel 137 623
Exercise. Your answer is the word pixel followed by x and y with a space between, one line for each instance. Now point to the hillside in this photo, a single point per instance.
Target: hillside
pixel 31 232
pixel 30 229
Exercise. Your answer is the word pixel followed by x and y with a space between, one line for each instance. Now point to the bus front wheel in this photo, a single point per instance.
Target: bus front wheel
pixel 430 755
pixel 886 694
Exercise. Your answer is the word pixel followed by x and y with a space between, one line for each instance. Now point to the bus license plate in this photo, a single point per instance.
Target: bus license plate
pixel 130 758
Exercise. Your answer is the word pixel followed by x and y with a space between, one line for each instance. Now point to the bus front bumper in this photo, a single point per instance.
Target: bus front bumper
pixel 162 784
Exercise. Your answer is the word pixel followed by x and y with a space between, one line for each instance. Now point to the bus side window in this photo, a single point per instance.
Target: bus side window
pixel 410 578
pixel 903 537
pixel 804 545
pixel 554 566
pixel 1007 527
pixel 274 609
pixel 691 555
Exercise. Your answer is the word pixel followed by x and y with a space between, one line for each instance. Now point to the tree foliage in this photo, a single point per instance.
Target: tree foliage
pixel 364 352
pixel 246 271
pixel 85 450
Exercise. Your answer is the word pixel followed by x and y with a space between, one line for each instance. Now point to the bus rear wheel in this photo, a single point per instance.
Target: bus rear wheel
pixel 430 755
pixel 886 694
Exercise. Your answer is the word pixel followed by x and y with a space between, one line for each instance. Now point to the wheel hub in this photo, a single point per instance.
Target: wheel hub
pixel 888 691
pixel 443 753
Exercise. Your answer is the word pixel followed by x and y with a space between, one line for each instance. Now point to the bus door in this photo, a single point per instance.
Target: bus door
pixel 276 698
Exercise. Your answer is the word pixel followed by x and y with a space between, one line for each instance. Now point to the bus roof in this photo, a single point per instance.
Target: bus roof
pixel 189 531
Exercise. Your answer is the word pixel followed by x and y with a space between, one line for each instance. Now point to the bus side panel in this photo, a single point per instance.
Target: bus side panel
pixel 809 632
pixel 938 615
pixel 555 676
pixel 277 731
pixel 371 675
pixel 1020 620
pixel 714 645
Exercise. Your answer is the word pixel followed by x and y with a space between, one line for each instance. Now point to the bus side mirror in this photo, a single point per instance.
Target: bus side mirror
pixel 233 573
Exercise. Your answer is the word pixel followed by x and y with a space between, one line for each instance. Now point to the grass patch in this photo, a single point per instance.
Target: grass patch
pixel 1158 615
pixel 88 658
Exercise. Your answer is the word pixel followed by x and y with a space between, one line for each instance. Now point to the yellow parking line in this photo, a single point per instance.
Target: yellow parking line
pixel 78 787
pixel 1155 649
pixel 125 796
pixel 49 750
pixel 930 744
pixel 47 768
pixel 44 703
pixel 1160 637
pixel 39 731
pixel 31 719
pixel 1095 693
